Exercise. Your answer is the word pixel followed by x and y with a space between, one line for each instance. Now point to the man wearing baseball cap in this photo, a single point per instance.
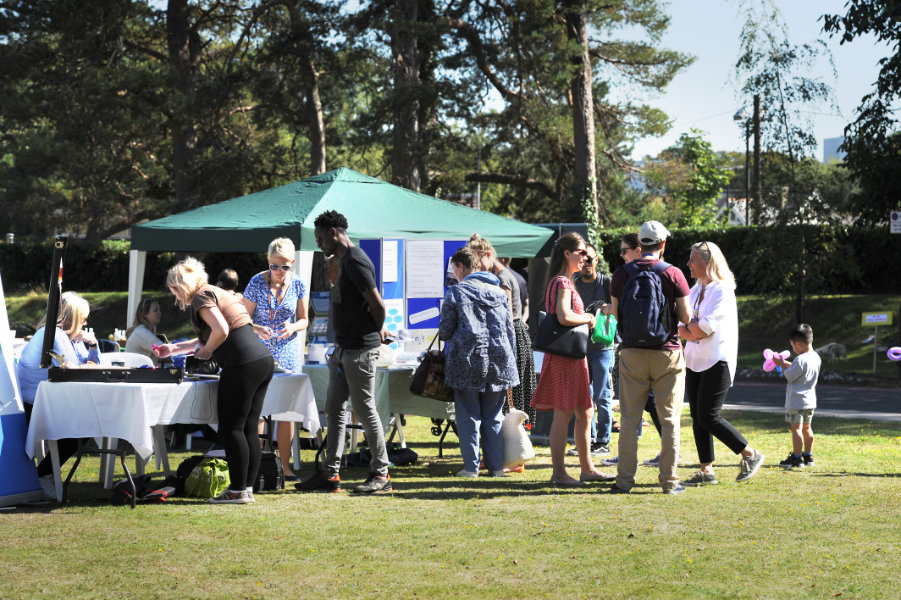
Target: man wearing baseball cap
pixel 648 361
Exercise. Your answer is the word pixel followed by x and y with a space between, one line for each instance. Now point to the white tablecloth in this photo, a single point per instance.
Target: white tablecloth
pixel 129 410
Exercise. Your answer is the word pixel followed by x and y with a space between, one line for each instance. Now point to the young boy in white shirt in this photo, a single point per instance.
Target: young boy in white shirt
pixel 800 395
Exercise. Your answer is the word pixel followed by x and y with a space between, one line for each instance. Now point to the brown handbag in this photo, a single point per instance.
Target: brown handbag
pixel 428 380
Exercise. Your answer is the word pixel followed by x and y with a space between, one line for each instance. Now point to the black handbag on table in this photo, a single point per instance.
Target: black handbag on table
pixel 428 380
pixel 561 340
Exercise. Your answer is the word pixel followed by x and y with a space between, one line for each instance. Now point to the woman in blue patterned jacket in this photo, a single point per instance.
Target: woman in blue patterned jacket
pixel 480 363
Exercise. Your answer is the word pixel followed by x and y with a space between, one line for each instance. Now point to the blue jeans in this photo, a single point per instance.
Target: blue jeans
pixel 600 368
pixel 479 414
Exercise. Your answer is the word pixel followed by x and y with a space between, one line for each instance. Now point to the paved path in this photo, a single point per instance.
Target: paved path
pixel 876 404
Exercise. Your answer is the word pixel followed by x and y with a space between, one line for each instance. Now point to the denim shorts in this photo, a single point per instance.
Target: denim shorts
pixel 805 415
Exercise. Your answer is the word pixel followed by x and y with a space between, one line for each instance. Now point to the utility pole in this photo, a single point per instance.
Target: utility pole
pixel 757 184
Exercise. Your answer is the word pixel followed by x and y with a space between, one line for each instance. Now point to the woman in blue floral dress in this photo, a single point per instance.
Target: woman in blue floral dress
pixel 275 301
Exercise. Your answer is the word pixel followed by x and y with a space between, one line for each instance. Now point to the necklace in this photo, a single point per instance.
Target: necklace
pixel 276 300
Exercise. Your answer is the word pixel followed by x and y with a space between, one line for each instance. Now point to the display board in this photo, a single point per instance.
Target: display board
pixel 428 277
pixel 18 476
pixel 412 276
pixel 387 256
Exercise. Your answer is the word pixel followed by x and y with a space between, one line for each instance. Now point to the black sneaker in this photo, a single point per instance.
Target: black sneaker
pixel 792 462
pixel 320 482
pixel 808 460
pixel 375 484
pixel 600 449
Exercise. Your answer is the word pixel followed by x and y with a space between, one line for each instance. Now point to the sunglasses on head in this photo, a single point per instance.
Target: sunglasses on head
pixel 279 267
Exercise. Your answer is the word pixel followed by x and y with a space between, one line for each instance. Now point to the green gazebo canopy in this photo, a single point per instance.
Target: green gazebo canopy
pixel 374 209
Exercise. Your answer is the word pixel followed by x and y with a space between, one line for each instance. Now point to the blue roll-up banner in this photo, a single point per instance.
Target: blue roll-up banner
pixel 387 255
pixel 18 476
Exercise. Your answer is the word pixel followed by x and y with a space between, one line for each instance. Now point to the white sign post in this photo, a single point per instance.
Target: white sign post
pixel 874 320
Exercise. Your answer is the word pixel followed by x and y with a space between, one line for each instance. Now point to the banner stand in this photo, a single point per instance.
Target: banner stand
pixel 18 475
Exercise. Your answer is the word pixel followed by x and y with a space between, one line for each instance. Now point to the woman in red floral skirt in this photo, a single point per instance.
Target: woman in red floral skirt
pixel 564 386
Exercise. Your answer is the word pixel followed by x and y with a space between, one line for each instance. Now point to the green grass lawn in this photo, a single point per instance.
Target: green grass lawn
pixel 827 532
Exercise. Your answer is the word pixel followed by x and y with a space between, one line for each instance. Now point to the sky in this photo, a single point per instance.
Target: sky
pixel 703 95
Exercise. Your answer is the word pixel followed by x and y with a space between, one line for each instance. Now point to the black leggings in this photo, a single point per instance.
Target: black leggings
pixel 706 392
pixel 240 402
pixel 650 407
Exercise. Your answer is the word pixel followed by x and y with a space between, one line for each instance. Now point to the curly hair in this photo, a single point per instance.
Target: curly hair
pixel 329 219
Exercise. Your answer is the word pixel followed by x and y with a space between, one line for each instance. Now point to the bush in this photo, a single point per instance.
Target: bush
pixel 839 259
pixel 91 267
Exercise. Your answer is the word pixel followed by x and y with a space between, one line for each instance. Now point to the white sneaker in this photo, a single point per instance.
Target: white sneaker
pixel 47 486
pixel 468 474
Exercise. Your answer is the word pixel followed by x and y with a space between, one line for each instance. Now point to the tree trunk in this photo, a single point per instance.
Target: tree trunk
pixel 407 63
pixel 583 115
pixel 315 120
pixel 184 56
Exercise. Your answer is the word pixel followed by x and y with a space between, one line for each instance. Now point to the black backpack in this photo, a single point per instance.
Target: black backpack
pixel 645 316
pixel 272 475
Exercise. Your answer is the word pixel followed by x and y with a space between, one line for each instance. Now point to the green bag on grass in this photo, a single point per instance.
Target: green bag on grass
pixel 209 478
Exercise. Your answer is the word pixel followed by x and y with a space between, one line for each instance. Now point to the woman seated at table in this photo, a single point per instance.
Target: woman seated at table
pixel 142 333
pixel 480 362
pixel 76 347
pixel 224 330
pixel 275 300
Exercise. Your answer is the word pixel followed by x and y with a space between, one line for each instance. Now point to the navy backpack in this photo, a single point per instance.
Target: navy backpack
pixel 645 316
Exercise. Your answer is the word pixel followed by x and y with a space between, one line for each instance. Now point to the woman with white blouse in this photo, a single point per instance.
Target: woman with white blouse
pixel 711 352
pixel 141 336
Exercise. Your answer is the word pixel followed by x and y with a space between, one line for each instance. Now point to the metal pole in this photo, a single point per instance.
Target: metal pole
pixel 747 172
pixel 757 184
pixel 875 344
pixel 54 291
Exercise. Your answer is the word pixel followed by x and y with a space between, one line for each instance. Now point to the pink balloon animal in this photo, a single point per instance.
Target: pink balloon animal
pixel 894 353
pixel 768 364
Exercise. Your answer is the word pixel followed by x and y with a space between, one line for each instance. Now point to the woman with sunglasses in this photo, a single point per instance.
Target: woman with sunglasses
pixel 275 301
pixel 141 336
pixel 564 386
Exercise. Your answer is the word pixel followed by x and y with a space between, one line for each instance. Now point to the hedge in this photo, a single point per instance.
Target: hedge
pixel 839 259
pixel 92 267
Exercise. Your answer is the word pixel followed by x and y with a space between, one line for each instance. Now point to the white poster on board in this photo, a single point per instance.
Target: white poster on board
pixel 425 268
pixel 389 261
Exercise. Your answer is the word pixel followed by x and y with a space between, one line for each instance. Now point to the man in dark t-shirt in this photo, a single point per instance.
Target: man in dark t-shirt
pixel 661 368
pixel 358 313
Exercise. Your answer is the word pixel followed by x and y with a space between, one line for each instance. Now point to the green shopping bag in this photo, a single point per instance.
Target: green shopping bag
pixel 604 330
pixel 209 478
